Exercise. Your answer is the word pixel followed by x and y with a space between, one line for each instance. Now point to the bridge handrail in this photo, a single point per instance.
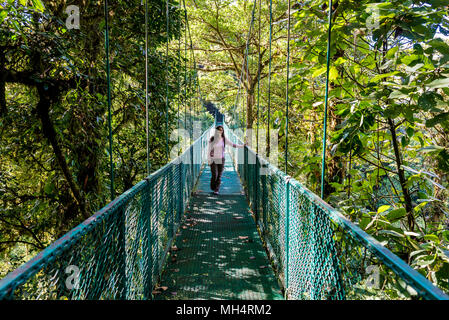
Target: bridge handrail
pixel 19 277
pixel 412 277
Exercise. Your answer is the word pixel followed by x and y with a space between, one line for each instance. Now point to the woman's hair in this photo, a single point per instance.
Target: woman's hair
pixel 222 134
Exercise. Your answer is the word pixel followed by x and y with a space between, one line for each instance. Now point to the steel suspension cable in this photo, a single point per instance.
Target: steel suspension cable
pixel 197 81
pixel 185 69
pixel 237 119
pixel 167 15
pixel 185 65
pixel 258 81
pixel 108 80
pixel 286 90
pixel 146 88
pixel 179 89
pixel 190 98
pixel 187 31
pixel 323 163
pixel 246 52
pixel 269 79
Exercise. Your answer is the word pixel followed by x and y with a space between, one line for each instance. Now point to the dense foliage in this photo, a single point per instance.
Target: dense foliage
pixel 54 165
pixel 387 161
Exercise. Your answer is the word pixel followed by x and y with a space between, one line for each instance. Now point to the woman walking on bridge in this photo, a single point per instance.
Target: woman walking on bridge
pixel 216 156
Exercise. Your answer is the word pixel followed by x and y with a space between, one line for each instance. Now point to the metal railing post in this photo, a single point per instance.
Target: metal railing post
pixel 171 210
pixel 264 199
pixel 256 189
pixel 181 190
pixel 287 234
pixel 122 253
pixel 146 211
pixel 245 167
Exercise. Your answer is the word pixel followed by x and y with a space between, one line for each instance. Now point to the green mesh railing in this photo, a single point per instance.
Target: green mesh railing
pixel 118 252
pixel 318 253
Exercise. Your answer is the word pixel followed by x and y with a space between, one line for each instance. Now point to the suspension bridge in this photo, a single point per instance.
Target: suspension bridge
pixel 266 236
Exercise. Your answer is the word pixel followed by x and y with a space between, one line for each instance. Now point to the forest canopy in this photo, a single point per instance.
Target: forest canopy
pixel 54 165
pixel 387 155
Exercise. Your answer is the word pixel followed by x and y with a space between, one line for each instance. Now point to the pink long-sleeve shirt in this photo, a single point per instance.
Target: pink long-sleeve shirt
pixel 216 149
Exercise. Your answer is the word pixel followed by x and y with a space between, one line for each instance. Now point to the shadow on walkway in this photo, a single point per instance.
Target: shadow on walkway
pixel 220 255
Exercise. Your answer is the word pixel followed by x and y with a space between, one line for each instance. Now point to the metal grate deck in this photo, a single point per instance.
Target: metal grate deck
pixel 219 253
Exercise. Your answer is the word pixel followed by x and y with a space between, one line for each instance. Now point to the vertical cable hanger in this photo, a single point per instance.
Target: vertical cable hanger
pixel 248 78
pixel 258 81
pixel 236 116
pixel 179 89
pixel 146 88
pixel 185 66
pixel 167 15
pixel 286 90
pixel 187 32
pixel 246 52
pixel 323 157
pixel 269 81
pixel 195 73
pixel 108 80
pixel 190 95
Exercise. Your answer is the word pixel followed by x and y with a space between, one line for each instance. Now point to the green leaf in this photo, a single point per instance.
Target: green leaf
pixel 439 83
pixel 437 3
pixel 404 141
pixel 397 94
pixel 440 118
pixel 414 253
pixel 396 214
pixel 383 208
pixel 440 45
pixel 333 73
pixel 3 14
pixel 445 235
pixel 49 188
pixel 319 72
pixel 415 68
pixel 425 261
pixel 383 75
pixel 420 206
pixel 391 232
pixel 339 61
pixel 431 149
pixel 390 54
pixel 432 237
pixel 407 60
pixel 414 234
pixel 38 5
pixel 427 100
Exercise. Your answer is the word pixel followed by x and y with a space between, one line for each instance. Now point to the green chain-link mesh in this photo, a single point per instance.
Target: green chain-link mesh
pixel 119 251
pixel 317 252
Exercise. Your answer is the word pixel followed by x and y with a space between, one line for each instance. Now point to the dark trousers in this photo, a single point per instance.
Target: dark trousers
pixel 217 170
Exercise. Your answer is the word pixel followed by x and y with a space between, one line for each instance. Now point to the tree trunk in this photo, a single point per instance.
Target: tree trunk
pixel 46 96
pixel 401 175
